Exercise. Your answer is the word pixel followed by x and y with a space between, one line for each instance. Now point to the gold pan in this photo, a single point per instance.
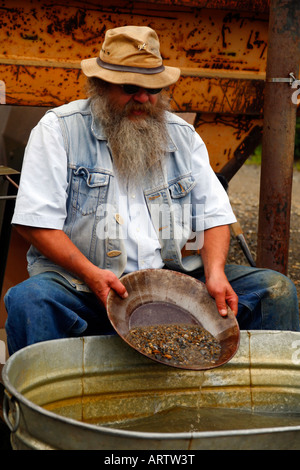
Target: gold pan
pixel 164 299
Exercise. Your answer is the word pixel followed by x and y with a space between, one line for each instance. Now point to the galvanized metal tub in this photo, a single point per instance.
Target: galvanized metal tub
pixel 99 379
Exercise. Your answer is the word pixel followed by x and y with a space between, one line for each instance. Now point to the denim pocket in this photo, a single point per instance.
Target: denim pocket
pixel 181 186
pixel 89 189
pixel 180 192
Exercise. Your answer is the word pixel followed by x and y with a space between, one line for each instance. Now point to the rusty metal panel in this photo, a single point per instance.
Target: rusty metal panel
pixel 43 44
pixel 41 86
pixel 218 95
pixel 46 86
pixel 261 6
pixel 190 37
pixel 228 138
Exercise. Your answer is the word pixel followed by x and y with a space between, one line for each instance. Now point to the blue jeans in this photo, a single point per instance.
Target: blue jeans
pixel 267 299
pixel 46 306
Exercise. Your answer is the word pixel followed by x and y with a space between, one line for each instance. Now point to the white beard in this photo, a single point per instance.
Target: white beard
pixel 136 144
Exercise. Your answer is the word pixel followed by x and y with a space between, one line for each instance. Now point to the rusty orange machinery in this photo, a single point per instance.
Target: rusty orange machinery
pixel 220 47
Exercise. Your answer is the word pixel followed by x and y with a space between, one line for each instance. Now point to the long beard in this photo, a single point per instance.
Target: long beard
pixel 136 144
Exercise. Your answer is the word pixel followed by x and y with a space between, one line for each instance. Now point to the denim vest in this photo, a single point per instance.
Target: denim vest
pixel 93 222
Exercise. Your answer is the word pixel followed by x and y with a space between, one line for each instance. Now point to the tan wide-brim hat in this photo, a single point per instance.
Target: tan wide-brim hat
pixel 131 55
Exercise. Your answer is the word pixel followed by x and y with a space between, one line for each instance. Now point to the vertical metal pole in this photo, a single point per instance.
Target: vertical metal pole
pixel 278 136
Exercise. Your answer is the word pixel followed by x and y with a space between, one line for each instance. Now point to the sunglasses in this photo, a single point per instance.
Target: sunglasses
pixel 133 89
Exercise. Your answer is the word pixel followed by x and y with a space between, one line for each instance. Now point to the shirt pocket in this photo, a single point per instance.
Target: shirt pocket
pixel 89 189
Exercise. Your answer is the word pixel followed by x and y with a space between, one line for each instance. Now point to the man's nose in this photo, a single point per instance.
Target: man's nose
pixel 141 96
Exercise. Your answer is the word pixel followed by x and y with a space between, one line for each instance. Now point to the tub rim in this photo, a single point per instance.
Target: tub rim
pixel 187 435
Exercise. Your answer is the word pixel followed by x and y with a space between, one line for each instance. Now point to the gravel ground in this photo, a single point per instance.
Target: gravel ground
pixel 244 196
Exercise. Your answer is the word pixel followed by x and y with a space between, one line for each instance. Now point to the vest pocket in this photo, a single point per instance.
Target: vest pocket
pixel 180 192
pixel 181 187
pixel 89 190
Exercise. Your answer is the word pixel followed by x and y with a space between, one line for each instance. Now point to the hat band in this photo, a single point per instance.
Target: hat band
pixel 124 68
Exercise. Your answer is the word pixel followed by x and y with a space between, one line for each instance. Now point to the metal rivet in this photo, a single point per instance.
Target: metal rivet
pixel 119 219
pixel 113 253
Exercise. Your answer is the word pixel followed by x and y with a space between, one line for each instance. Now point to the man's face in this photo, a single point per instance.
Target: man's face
pixel 138 102
pixel 134 123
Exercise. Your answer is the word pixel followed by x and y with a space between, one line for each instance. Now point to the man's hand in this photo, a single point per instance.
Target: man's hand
pixel 57 246
pixel 214 253
pixel 100 281
pixel 220 289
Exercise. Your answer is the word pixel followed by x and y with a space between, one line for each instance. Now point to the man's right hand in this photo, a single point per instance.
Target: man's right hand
pixel 57 246
pixel 101 281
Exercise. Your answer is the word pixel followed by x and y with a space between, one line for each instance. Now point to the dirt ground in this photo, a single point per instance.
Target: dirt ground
pixel 244 196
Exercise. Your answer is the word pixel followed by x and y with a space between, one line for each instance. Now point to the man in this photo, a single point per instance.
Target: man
pixel 104 190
